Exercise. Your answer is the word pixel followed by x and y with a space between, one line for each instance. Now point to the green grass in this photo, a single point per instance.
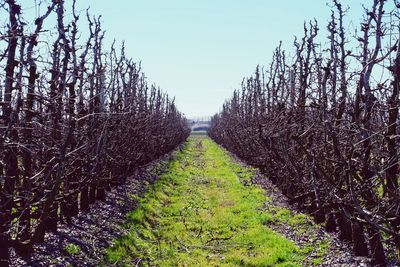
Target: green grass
pixel 204 212
pixel 316 247
pixel 72 249
pixel 198 133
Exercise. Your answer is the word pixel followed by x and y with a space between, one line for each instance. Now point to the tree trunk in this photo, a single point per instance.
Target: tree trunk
pixel 330 225
pixel 377 251
pixel 84 199
pixel 344 225
pixel 360 247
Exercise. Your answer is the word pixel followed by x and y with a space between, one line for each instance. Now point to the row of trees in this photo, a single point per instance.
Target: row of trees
pixel 323 125
pixel 75 119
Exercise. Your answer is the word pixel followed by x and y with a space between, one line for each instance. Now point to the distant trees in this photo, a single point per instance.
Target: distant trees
pixel 75 119
pixel 323 125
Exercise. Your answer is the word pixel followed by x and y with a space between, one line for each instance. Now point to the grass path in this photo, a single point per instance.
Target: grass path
pixel 203 211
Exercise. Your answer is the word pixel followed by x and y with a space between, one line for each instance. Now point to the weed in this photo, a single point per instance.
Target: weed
pixel 72 249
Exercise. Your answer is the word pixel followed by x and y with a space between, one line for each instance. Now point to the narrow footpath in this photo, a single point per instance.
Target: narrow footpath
pixel 205 211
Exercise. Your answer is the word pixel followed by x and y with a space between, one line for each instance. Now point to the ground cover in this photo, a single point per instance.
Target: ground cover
pixel 204 211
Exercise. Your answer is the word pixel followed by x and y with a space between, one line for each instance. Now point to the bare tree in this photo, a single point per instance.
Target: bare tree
pixel 71 126
pixel 330 143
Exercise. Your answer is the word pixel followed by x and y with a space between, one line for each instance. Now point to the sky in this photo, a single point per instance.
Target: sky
pixel 199 51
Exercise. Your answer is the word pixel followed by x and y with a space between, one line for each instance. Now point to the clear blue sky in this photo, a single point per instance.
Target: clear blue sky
pixel 198 51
